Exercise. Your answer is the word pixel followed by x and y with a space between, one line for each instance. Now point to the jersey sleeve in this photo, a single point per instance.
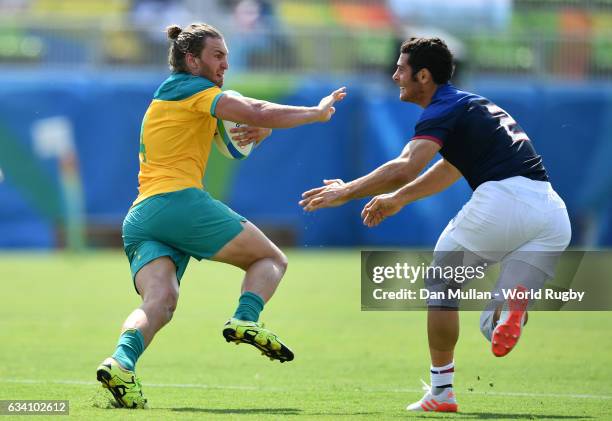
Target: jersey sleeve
pixel 435 129
pixel 206 100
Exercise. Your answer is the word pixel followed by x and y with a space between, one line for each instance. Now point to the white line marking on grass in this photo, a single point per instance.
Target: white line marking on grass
pixel 270 389
pixel 86 383
pixel 518 394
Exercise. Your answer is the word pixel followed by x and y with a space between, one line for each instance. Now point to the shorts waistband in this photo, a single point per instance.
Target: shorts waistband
pixel 522 183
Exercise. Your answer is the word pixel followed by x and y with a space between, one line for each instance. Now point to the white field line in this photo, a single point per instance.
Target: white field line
pixel 270 389
pixel 168 385
pixel 518 394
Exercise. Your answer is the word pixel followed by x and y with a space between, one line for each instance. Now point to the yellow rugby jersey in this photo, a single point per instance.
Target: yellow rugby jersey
pixel 176 135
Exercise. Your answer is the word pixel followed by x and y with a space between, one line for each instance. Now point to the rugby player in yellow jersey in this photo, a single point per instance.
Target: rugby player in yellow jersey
pixel 174 218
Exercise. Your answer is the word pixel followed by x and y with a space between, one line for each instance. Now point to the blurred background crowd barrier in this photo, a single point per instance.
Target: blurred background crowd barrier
pixel 77 76
pixel 547 38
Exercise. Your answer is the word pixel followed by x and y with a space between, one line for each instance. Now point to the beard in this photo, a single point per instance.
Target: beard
pixel 211 75
pixel 416 93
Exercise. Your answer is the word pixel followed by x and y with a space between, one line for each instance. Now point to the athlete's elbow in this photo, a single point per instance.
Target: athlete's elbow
pixel 269 119
pixel 276 118
pixel 400 178
pixel 404 173
pixel 254 116
pixel 263 114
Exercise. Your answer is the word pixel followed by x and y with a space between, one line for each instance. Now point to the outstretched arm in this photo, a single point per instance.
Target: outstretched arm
pixel 388 177
pixel 258 113
pixel 439 177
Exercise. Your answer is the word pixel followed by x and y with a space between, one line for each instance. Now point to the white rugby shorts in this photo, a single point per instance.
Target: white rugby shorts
pixel 512 219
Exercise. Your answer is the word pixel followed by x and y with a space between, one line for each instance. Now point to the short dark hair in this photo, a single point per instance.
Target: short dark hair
pixel 192 40
pixel 431 54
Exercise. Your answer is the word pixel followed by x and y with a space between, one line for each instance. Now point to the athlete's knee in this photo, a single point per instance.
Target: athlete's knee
pixel 281 261
pixel 161 294
pixel 169 300
pixel 164 301
pixel 275 261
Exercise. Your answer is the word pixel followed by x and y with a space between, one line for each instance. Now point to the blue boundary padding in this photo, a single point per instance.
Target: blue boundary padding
pixel 370 126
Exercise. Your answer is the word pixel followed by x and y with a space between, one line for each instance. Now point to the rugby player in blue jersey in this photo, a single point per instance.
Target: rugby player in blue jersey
pixel 513 217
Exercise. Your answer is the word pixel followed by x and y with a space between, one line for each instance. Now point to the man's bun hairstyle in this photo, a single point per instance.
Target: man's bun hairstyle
pixel 173 32
pixel 188 40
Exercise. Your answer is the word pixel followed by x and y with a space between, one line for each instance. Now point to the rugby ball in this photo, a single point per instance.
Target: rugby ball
pixel 224 141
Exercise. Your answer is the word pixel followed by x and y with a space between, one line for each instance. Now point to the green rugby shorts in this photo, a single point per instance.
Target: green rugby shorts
pixel 181 224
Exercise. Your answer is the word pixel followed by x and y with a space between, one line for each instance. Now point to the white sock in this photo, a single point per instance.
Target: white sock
pixel 442 377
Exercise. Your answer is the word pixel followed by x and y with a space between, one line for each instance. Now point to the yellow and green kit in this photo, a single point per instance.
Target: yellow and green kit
pixel 173 215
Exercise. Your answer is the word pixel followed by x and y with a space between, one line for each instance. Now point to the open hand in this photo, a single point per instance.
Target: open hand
pixel 326 105
pixel 332 194
pixel 379 208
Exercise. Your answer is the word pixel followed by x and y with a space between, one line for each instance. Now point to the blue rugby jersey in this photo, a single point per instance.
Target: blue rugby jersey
pixel 478 137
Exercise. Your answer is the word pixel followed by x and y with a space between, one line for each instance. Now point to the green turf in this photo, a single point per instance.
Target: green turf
pixel 60 316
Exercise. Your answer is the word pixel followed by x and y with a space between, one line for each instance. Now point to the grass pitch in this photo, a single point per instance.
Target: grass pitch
pixel 61 314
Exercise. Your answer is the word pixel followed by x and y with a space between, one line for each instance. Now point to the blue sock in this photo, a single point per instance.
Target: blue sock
pixel 249 307
pixel 129 348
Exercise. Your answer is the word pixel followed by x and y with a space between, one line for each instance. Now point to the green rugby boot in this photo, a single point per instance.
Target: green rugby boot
pixel 122 384
pixel 253 333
